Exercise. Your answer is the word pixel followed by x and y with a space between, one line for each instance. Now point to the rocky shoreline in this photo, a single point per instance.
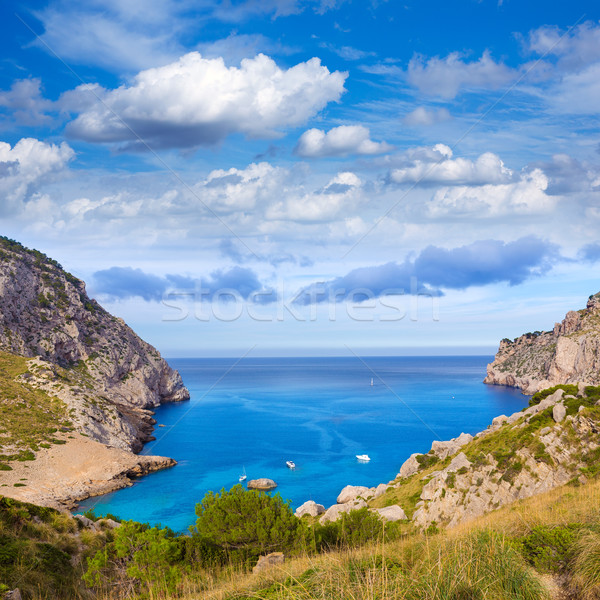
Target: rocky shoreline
pixel 546 445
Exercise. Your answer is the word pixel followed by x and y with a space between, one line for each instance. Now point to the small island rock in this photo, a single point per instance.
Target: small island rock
pixel 263 484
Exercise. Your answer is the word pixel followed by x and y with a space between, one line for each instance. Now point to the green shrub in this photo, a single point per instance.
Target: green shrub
pixel 548 548
pixel 569 389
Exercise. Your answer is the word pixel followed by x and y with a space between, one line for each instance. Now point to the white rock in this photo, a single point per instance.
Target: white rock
pixel 391 513
pixel 458 462
pixel 380 490
pixel 334 512
pixel 559 412
pixel 410 466
pixel 499 421
pixel 351 492
pixel 310 508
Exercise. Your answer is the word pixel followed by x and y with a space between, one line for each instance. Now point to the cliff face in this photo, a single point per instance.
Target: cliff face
pixel 107 376
pixel 570 353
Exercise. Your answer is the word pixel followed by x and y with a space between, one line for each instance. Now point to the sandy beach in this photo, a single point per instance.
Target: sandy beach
pixel 64 474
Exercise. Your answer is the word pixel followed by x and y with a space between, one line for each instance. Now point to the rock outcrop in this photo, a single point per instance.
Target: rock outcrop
pixel 109 379
pixel 569 354
pixel 262 484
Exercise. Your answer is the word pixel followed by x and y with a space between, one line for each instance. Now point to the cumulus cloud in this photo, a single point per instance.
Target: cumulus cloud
pixel 481 263
pixel 126 282
pixel 198 101
pixel 26 165
pixel 567 175
pixel 339 141
pixel 435 165
pixel 25 102
pixel 526 195
pixel 422 116
pixel 446 77
pixel 340 193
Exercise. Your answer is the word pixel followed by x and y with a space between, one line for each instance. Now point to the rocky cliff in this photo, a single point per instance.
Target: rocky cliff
pixel 109 379
pixel 570 353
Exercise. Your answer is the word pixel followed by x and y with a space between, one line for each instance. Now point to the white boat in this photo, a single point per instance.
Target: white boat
pixel 243 476
pixel 371 382
pixel 290 464
pixel 363 457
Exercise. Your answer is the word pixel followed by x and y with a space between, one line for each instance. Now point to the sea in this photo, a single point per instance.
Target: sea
pixel 252 415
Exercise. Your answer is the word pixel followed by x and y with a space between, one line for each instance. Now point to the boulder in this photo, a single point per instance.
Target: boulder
pixel 458 462
pixel 310 508
pixel 262 484
pixel 559 412
pixel 410 466
pixel 351 492
pixel 13 595
pixel 107 524
pixel 499 421
pixel 444 449
pixel 391 513
pixel 268 562
pixel 87 523
pixel 379 490
pixel 334 512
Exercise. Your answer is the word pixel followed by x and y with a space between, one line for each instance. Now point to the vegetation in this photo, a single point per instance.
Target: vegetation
pixel 28 417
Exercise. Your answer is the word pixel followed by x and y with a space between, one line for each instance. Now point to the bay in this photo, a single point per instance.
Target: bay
pixel 256 413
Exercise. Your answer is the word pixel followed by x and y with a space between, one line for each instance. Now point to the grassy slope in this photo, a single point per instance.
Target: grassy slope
pixel 29 418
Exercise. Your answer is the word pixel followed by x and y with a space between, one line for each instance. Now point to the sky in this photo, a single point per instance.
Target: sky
pixel 308 177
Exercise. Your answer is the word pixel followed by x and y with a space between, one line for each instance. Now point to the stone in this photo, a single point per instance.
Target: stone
pixel 391 513
pixel 13 595
pixel 107 523
pixel 458 462
pixel 334 512
pixel 581 388
pixel 351 492
pixel 263 484
pixel 310 508
pixel 268 562
pixel 87 523
pixel 545 430
pixel 379 490
pixel 559 412
pixel 499 421
pixel 410 466
pixel 444 449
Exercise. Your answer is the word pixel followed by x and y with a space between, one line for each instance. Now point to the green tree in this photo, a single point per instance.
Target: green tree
pixel 248 522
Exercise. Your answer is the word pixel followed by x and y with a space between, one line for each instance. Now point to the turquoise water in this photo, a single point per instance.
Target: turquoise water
pixel 318 412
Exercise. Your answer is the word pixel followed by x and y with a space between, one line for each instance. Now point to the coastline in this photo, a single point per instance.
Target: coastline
pixel 64 474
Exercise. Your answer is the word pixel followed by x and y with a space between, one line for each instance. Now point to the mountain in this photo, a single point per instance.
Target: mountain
pixel 568 354
pixel 108 378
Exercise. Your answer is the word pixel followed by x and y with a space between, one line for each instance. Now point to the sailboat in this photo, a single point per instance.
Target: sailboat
pixel 371 382
pixel 243 475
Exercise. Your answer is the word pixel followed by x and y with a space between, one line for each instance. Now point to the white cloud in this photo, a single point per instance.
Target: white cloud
pixel 425 117
pixel 576 48
pixel 340 194
pixel 25 102
pixel 115 35
pixel 26 165
pixel 435 165
pixel 339 141
pixel 197 101
pixel 446 77
pixel 578 93
pixel 527 196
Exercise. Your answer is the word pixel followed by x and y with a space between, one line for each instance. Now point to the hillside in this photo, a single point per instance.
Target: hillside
pixel 570 353
pixel 107 377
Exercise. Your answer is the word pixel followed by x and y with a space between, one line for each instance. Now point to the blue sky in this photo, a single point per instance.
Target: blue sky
pixel 308 176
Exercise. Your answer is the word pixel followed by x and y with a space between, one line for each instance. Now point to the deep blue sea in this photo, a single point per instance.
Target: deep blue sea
pixel 319 412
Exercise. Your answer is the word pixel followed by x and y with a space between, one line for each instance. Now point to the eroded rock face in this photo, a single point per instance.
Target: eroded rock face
pixel 569 354
pixel 107 376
